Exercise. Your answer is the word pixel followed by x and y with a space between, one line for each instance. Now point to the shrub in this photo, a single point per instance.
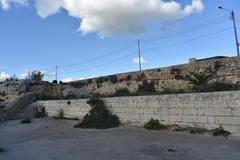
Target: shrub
pixel 78 84
pixel 55 82
pixel 60 114
pixel 154 124
pixel 35 75
pixel 220 132
pixel 113 79
pixel 216 86
pixel 98 117
pixel 141 77
pixel 26 121
pixel 122 92
pixel 100 80
pixel 146 88
pixel 128 78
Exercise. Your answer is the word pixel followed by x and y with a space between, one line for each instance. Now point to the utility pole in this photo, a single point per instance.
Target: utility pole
pixel 234 26
pixel 56 73
pixel 139 56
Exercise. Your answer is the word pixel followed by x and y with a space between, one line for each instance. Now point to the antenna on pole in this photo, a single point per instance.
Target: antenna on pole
pixel 139 56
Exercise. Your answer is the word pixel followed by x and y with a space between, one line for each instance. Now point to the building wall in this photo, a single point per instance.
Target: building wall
pixel 208 110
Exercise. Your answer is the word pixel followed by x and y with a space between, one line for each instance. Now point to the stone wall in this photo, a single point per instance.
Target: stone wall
pixel 167 78
pixel 17 105
pixel 208 110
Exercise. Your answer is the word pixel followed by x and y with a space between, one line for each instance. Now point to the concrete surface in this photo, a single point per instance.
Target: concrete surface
pixel 47 139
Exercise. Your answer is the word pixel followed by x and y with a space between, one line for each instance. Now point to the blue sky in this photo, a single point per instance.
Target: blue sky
pixel 38 39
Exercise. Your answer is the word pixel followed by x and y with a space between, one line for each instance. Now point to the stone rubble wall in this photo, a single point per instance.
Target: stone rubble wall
pixel 207 110
pixel 164 78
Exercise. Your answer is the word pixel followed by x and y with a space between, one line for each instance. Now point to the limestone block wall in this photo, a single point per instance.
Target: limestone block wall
pixel 208 110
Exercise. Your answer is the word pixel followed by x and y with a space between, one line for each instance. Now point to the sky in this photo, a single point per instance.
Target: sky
pixel 90 38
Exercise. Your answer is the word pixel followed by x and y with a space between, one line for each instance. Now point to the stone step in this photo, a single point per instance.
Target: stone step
pixel 28 112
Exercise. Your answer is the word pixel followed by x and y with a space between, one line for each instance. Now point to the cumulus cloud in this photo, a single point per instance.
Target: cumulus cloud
pixel 110 18
pixel 114 17
pixel 4 76
pixel 137 60
pixel 5 4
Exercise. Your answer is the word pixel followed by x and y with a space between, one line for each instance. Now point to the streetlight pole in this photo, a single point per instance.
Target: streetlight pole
pixel 234 26
pixel 139 56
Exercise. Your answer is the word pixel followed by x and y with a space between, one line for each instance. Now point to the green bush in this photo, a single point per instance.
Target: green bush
pixel 122 92
pixel 154 124
pixel 216 86
pixel 98 117
pixel 113 79
pixel 26 121
pixel 55 82
pixel 146 88
pixel 220 132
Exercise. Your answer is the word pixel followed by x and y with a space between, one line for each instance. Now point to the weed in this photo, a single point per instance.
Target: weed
pixel 220 132
pixel 122 92
pixel 154 124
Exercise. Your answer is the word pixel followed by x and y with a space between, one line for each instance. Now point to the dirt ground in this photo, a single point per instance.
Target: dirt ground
pixel 48 139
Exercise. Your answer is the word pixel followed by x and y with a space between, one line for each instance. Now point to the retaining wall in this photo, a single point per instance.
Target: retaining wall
pixel 208 110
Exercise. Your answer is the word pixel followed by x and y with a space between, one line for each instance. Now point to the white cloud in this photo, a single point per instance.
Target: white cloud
pixel 136 60
pixel 4 76
pixel 7 3
pixel 116 17
pixel 113 17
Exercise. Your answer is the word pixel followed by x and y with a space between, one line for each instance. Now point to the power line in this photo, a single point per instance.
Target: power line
pixel 190 29
pixel 103 64
pixel 108 54
pixel 148 49
pixel 186 41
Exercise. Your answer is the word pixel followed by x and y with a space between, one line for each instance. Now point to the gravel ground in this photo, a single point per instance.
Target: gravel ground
pixel 48 139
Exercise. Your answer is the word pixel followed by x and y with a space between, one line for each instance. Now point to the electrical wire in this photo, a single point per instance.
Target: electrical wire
pixel 154 48
pixel 186 41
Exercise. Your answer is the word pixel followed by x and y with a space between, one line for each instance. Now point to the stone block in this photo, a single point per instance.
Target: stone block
pixel 176 111
pixel 227 120
pixel 190 111
pixel 218 111
pixel 175 118
pixel 195 119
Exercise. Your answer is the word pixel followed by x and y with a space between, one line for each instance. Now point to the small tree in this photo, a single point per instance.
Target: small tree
pixel 35 75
